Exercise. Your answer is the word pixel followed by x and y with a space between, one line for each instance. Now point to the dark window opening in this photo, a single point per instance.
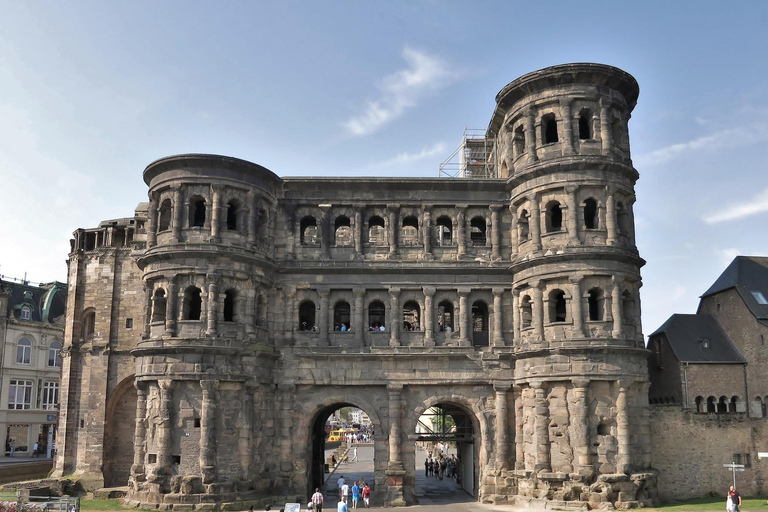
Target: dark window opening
pixel 526 312
pixel 699 404
pixel 152 458
pixel 627 308
pixel 604 428
pixel 445 316
pixel 622 217
pixel 376 315
pixel 308 231
pixel 722 405
pixel 549 126
pixel 477 233
pixel 176 459
pixel 89 325
pixel 82 423
pixel 595 302
pixel 197 212
pixel 307 316
pixel 343 232
pixel 711 406
pixel 341 317
pixel 129 323
pixel 479 324
pixel 193 303
pixel 158 306
pixel 523 232
pixel 732 404
pixel 557 306
pixel 232 216
pixel 197 422
pixel 164 221
pixel 585 130
pixel 411 313
pixel 444 230
pixel 590 214
pixel 519 141
pixel 410 231
pixel 554 217
pixel 376 231
pixel 229 305
pixel 618 132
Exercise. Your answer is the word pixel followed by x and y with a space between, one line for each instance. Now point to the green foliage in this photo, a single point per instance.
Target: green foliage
pixel 710 504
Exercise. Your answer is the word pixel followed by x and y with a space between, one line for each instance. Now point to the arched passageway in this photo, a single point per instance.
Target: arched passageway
pixel 118 433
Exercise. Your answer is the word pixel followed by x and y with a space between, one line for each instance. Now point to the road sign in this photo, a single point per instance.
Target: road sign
pixel 760 455
pixel 734 466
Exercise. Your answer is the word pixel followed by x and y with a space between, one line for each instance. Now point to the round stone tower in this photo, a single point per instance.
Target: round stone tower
pixel 207 272
pixel 582 429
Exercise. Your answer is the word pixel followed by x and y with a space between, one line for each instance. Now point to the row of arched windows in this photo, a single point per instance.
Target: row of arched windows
pixel 24 352
pixel 196 214
pixel 192 304
pixel 553 220
pixel 558 307
pixel 377 233
pixel 714 405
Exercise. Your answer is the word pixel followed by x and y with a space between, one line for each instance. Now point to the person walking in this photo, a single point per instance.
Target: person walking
pixel 12 445
pixel 355 494
pixel 733 502
pixel 345 492
pixel 342 506
pixel 340 483
pixel 317 500
pixel 34 449
pixel 354 458
pixel 367 495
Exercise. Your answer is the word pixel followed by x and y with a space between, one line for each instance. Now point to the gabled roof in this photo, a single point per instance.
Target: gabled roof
pixel 749 275
pixel 686 335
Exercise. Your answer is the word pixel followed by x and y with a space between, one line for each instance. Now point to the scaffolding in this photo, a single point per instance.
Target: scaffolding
pixel 474 158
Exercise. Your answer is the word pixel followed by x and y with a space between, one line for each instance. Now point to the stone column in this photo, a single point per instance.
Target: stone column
pixel 395 397
pixel 208 430
pixel 170 309
pixel 290 311
pixel 565 113
pixel 216 213
pixel 165 427
pixel 530 136
pixel 212 303
pixel 464 339
pixel 397 317
pixel 618 322
pixel 253 218
pixel 325 231
pixel 605 127
pixel 631 223
pixel 393 228
pixel 538 310
pixel 428 316
pixel 610 217
pixel 152 227
pixel 502 417
pixel 541 412
pixel 250 310
pixel 623 457
pixel 461 229
pixel 426 231
pixel 359 323
pixel 148 305
pixel 573 216
pixel 323 326
pixel 580 428
pixel 358 231
pixel 535 221
pixel 515 316
pixel 513 240
pixel 519 428
pixel 645 427
pixel 576 307
pixel 177 210
pixel 498 329
pixel 495 233
pixel 140 432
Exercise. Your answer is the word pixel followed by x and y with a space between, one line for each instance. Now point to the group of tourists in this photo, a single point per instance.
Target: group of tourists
pixel 440 466
pixel 358 490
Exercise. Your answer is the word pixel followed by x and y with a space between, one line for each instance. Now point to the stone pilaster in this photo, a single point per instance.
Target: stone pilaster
pixel 495 233
pixel 519 428
pixel 148 305
pixel 325 230
pixel 530 136
pixel 576 307
pixel 618 323
pixel 216 191
pixel 393 210
pixel 610 217
pixel 178 208
pixel 605 127
pixel 429 314
pixel 501 427
pixel 165 427
pixel 397 317
pixel 359 323
pixel 322 319
pixel 464 339
pixel 498 317
pixel 358 231
pixel 208 430
pixel 538 310
pixel 572 218
pixel 513 238
pixel 253 218
pixel 212 303
pixel 582 451
pixel 426 231
pixel 623 458
pixel 516 316
pixel 565 113
pixel 395 470
pixel 461 229
pixel 535 221
pixel 541 412
pixel 140 432
pixel 291 320
pixel 250 310
pixel 170 308
pixel 152 225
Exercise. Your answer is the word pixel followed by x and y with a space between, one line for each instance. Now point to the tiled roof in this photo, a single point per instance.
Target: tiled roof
pixel 699 339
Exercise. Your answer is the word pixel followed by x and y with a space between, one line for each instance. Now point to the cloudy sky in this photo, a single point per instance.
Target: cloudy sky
pixel 91 92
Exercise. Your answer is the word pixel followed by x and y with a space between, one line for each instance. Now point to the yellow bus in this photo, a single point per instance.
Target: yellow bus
pixel 338 435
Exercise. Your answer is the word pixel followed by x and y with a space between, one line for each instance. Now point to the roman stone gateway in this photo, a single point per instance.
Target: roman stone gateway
pixel 511 301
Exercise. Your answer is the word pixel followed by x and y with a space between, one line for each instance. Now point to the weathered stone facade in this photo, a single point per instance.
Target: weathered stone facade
pixel 514 299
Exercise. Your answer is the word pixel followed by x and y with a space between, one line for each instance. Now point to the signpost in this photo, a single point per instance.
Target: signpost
pixel 735 467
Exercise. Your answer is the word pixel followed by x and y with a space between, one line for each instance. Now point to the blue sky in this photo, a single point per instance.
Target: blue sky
pixel 91 92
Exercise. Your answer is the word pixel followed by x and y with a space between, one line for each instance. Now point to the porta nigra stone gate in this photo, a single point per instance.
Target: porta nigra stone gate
pixel 204 350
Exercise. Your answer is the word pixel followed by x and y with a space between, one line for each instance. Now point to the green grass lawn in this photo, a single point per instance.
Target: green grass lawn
pixel 86 504
pixel 709 504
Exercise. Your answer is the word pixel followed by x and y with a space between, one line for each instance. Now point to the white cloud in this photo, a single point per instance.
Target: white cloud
pixel 401 91
pixel 407 158
pixel 730 138
pixel 756 204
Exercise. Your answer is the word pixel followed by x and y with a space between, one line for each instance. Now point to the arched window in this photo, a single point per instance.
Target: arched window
pixel 722 405
pixel 343 233
pixel 732 404
pixel 23 351
pixel 164 216
pixel 519 143
pixel 232 213
pixel 622 218
pixel 54 354
pixel 761 407
pixel 627 308
pixel 197 212
pixel 376 315
pixel 549 129
pixel 308 231
pixel 554 217
pixel 445 316
pixel 410 231
pixel 596 304
pixel 479 324
pixel 230 302
pixel 557 306
pixel 158 306
pixel 376 231
pixel 26 313
pixel 307 316
pixel 411 314
pixel 711 404
pixel 89 325
pixel 444 230
pixel 523 233
pixel 585 124
pixel 193 303
pixel 341 316
pixel 700 404
pixel 590 214
pixel 618 132
pixel 526 312
pixel 477 231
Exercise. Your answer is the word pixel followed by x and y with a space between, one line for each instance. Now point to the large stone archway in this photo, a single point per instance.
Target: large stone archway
pixel 118 433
